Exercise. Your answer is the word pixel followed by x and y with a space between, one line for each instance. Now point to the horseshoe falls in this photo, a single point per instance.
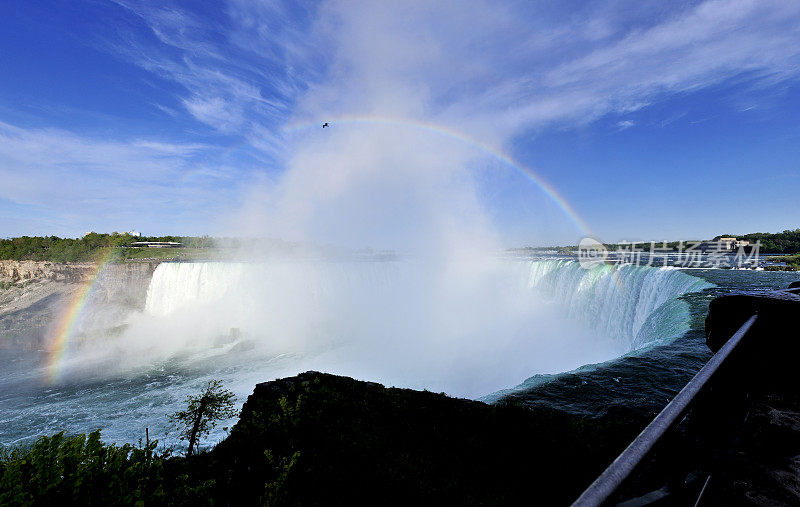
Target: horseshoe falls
pixel 635 306
pixel 475 328
pixel 465 328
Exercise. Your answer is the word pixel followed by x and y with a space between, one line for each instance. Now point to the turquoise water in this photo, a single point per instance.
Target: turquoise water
pixel 653 316
pixel 645 380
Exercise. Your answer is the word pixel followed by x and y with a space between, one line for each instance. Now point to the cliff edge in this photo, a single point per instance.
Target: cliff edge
pixel 321 439
pixel 34 295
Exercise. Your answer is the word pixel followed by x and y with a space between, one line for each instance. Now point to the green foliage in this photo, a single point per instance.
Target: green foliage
pixel 198 242
pixel 92 247
pixel 203 412
pixel 318 439
pixel 792 263
pixel 276 491
pixel 82 470
pixel 787 241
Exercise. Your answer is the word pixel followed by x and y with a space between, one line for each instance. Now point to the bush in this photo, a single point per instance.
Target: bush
pixel 81 470
pixel 89 248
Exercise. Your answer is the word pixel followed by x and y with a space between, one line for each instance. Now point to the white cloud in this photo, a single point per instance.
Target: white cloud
pixel 495 71
pixel 238 76
pixel 70 181
pixel 215 111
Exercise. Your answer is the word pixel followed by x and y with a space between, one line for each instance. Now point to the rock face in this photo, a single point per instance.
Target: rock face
pixel 22 271
pixel 34 296
pixel 764 464
pixel 754 401
pixel 320 439
pixel 29 311
pixel 769 354
pixel 124 283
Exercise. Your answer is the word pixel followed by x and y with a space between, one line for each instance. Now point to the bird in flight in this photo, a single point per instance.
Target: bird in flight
pixel 324 124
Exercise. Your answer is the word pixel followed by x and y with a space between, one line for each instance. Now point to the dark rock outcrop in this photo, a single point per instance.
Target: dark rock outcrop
pixel 770 353
pixel 320 439
pixel 756 388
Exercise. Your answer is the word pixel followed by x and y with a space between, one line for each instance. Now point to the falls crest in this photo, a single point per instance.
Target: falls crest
pixel 466 328
pixel 639 305
pixel 635 305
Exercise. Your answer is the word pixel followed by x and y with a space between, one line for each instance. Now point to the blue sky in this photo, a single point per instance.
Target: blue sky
pixel 653 121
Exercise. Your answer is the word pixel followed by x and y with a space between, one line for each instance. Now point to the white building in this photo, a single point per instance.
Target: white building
pixel 156 244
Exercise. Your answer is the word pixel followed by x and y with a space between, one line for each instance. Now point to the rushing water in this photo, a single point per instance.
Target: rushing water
pixel 543 331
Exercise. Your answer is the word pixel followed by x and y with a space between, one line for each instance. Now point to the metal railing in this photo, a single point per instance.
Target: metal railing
pixel 608 483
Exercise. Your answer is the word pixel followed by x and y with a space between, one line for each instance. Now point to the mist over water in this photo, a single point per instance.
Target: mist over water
pixel 560 317
pixel 467 327
pixel 448 314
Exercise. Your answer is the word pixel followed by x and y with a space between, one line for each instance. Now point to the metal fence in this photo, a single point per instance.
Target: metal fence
pixel 607 485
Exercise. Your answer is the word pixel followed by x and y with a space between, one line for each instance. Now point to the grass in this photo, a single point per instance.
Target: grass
pixel 167 253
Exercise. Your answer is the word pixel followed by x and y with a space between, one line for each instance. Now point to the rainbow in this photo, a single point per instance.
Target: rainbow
pixel 70 316
pixel 66 325
pixel 443 131
pixel 484 148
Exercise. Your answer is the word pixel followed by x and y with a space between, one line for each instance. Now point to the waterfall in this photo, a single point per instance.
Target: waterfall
pixel 466 328
pixel 638 305
pixel 178 285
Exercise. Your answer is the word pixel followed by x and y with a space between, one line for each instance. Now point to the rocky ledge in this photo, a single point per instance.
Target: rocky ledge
pixel 34 294
pixel 320 439
pixel 21 271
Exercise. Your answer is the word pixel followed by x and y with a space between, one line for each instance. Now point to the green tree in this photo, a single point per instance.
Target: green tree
pixel 82 470
pixel 203 412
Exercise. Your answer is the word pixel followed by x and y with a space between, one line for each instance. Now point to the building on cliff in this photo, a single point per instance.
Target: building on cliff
pixel 156 244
